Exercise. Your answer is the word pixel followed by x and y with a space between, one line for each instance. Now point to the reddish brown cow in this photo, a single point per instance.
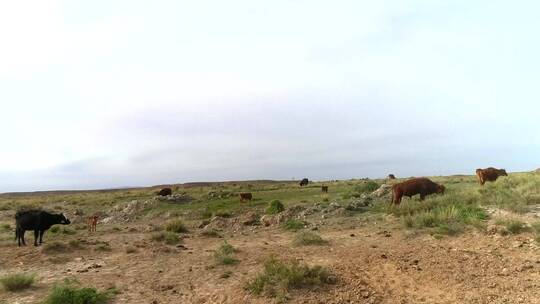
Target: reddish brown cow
pixel 324 189
pixel 411 187
pixel 489 174
pixel 246 196
pixel 91 222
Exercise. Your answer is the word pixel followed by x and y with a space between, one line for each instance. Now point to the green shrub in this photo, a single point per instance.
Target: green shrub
pixel 224 254
pixel 275 207
pixel 167 237
pixel 278 278
pixel 5 227
pixel 294 225
pixel 177 226
pixel 103 247
pixel 513 226
pixel 307 238
pixel 68 294
pixel 17 282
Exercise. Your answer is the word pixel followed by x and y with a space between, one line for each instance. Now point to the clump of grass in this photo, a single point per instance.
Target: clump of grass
pixel 76 244
pixel 278 278
pixel 103 247
pixel 225 254
pixel 307 238
pixel 211 233
pixel 18 281
pixel 177 226
pixel 275 207
pixel 294 225
pixel 358 190
pixel 5 227
pixel 69 294
pixel 166 237
pixel 513 226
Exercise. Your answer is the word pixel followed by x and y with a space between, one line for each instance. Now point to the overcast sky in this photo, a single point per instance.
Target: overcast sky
pixel 101 94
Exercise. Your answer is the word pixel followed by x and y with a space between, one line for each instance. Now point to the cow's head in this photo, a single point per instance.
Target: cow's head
pixel 503 172
pixel 440 189
pixel 62 219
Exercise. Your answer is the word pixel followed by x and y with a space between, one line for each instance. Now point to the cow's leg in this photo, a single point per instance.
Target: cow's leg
pixel 422 196
pixel 18 236
pixel 41 232
pixel 36 237
pixel 21 235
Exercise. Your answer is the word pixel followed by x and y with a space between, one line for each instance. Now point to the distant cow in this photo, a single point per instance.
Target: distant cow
pixel 324 189
pixel 37 220
pixel 489 174
pixel 246 196
pixel 165 192
pixel 304 182
pixel 411 187
pixel 391 176
pixel 91 222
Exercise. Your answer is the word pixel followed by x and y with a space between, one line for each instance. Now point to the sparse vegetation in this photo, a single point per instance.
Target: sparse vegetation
pixel 69 294
pixel 513 226
pixel 18 281
pixel 294 225
pixel 169 238
pixel 211 233
pixel 177 226
pixel 56 247
pixel 275 207
pixel 307 238
pixel 225 254
pixel 278 278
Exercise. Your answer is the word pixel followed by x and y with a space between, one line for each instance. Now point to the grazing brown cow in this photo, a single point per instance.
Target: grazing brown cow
pixel 391 176
pixel 489 174
pixel 91 222
pixel 165 192
pixel 324 189
pixel 246 196
pixel 411 187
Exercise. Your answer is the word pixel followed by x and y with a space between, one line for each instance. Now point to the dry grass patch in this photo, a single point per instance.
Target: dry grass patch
pixel 18 281
pixel 307 238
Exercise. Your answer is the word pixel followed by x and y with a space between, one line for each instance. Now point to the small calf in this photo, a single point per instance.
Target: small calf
pixel 91 222
pixel 37 220
pixel 324 189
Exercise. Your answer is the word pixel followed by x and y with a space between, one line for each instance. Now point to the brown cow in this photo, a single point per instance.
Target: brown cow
pixel 91 222
pixel 165 192
pixel 245 196
pixel 489 174
pixel 391 176
pixel 411 187
pixel 324 189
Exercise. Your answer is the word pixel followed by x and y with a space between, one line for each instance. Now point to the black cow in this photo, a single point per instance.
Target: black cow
pixel 37 220
pixel 165 192
pixel 304 182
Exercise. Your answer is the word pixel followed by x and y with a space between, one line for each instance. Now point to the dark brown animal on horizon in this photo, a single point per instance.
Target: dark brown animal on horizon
pixel 91 222
pixel 391 176
pixel 165 192
pixel 411 187
pixel 246 196
pixel 304 182
pixel 324 189
pixel 489 174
